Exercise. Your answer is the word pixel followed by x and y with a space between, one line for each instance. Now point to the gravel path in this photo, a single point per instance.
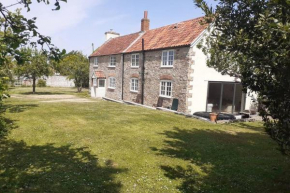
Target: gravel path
pixel 54 98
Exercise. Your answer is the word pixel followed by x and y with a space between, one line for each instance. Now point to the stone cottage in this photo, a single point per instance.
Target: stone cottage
pixel 156 66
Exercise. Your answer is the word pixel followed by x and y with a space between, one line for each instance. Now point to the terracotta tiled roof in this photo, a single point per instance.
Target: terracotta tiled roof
pixel 116 45
pixel 175 35
pixel 100 74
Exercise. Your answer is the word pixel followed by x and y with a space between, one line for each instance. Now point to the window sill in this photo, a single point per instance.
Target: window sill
pixel 168 97
pixel 133 91
pixel 111 66
pixel 94 66
pixel 135 67
pixel 111 88
pixel 169 67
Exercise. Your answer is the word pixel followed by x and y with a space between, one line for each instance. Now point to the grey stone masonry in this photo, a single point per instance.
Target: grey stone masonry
pixel 116 72
pixel 178 74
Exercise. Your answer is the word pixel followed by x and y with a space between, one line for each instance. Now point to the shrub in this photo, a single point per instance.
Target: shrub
pixel 41 83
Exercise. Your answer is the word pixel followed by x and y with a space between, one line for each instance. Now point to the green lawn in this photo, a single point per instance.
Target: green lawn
pixel 102 146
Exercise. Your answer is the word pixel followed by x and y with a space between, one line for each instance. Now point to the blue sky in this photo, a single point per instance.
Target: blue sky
pixel 79 23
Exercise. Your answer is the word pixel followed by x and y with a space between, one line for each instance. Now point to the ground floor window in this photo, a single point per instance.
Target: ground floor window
pixel 225 97
pixel 134 85
pixel 112 82
pixel 166 88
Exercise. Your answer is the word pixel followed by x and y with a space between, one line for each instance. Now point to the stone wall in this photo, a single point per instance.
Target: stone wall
pixel 59 81
pixel 179 74
pixel 116 72
pixel 132 72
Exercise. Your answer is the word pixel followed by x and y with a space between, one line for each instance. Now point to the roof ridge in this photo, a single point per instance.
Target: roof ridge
pixel 126 35
pixel 177 23
pixel 141 34
pixel 101 46
pixel 160 27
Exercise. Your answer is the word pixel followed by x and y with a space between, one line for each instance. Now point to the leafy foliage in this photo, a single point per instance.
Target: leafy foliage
pixel 36 66
pixel 76 66
pixel 18 31
pixel 41 83
pixel 250 39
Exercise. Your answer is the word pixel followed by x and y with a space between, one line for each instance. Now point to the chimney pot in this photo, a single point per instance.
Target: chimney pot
pixel 145 14
pixel 145 22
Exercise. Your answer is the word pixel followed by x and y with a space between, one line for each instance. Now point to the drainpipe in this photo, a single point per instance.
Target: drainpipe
pixel 143 73
pixel 123 64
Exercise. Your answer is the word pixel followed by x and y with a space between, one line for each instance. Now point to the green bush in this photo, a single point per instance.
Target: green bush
pixel 41 83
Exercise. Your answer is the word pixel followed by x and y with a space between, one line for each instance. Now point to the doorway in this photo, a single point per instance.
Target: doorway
pixel 101 89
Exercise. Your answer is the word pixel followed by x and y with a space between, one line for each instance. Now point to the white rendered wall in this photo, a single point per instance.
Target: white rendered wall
pixel 59 81
pixel 202 74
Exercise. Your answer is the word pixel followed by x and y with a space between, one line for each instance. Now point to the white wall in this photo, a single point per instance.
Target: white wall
pixel 59 81
pixel 202 74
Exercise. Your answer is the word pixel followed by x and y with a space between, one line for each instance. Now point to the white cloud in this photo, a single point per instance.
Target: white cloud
pixel 52 22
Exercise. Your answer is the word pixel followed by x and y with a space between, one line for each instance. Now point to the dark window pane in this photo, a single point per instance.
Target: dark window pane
pixel 214 93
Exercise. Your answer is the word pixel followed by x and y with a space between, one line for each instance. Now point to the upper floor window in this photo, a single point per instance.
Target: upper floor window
pixel 113 61
pixel 135 60
pixel 95 60
pixel 167 58
pixel 134 85
pixel 112 82
pixel 165 88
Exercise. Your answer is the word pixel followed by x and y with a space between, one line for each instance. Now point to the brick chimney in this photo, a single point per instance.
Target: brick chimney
pixel 145 22
pixel 111 34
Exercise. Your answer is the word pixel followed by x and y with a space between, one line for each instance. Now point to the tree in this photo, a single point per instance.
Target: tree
pixel 18 31
pixel 36 66
pixel 76 66
pixel 250 39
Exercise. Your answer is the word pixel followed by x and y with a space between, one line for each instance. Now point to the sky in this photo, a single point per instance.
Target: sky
pixel 79 23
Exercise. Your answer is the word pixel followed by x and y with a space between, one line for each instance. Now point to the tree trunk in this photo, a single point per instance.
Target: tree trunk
pixel 33 85
pixel 80 87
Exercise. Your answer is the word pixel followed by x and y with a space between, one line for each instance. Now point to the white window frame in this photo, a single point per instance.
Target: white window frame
pixel 104 83
pixel 113 63
pixel 112 80
pixel 167 62
pixel 95 82
pixel 136 86
pixel 134 63
pixel 166 89
pixel 95 62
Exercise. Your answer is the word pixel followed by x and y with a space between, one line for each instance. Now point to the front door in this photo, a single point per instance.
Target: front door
pixel 101 89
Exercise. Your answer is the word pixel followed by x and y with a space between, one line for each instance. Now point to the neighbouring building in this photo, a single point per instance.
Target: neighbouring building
pixel 155 66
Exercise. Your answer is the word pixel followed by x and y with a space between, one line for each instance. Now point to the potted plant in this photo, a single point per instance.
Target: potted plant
pixel 213 117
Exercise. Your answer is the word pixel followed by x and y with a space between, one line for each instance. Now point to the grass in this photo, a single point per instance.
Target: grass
pixel 110 147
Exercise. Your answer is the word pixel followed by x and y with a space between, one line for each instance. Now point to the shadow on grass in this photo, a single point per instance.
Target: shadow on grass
pixel 17 108
pixel 43 93
pixel 220 161
pixel 48 168
pixel 258 127
pixel 6 125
